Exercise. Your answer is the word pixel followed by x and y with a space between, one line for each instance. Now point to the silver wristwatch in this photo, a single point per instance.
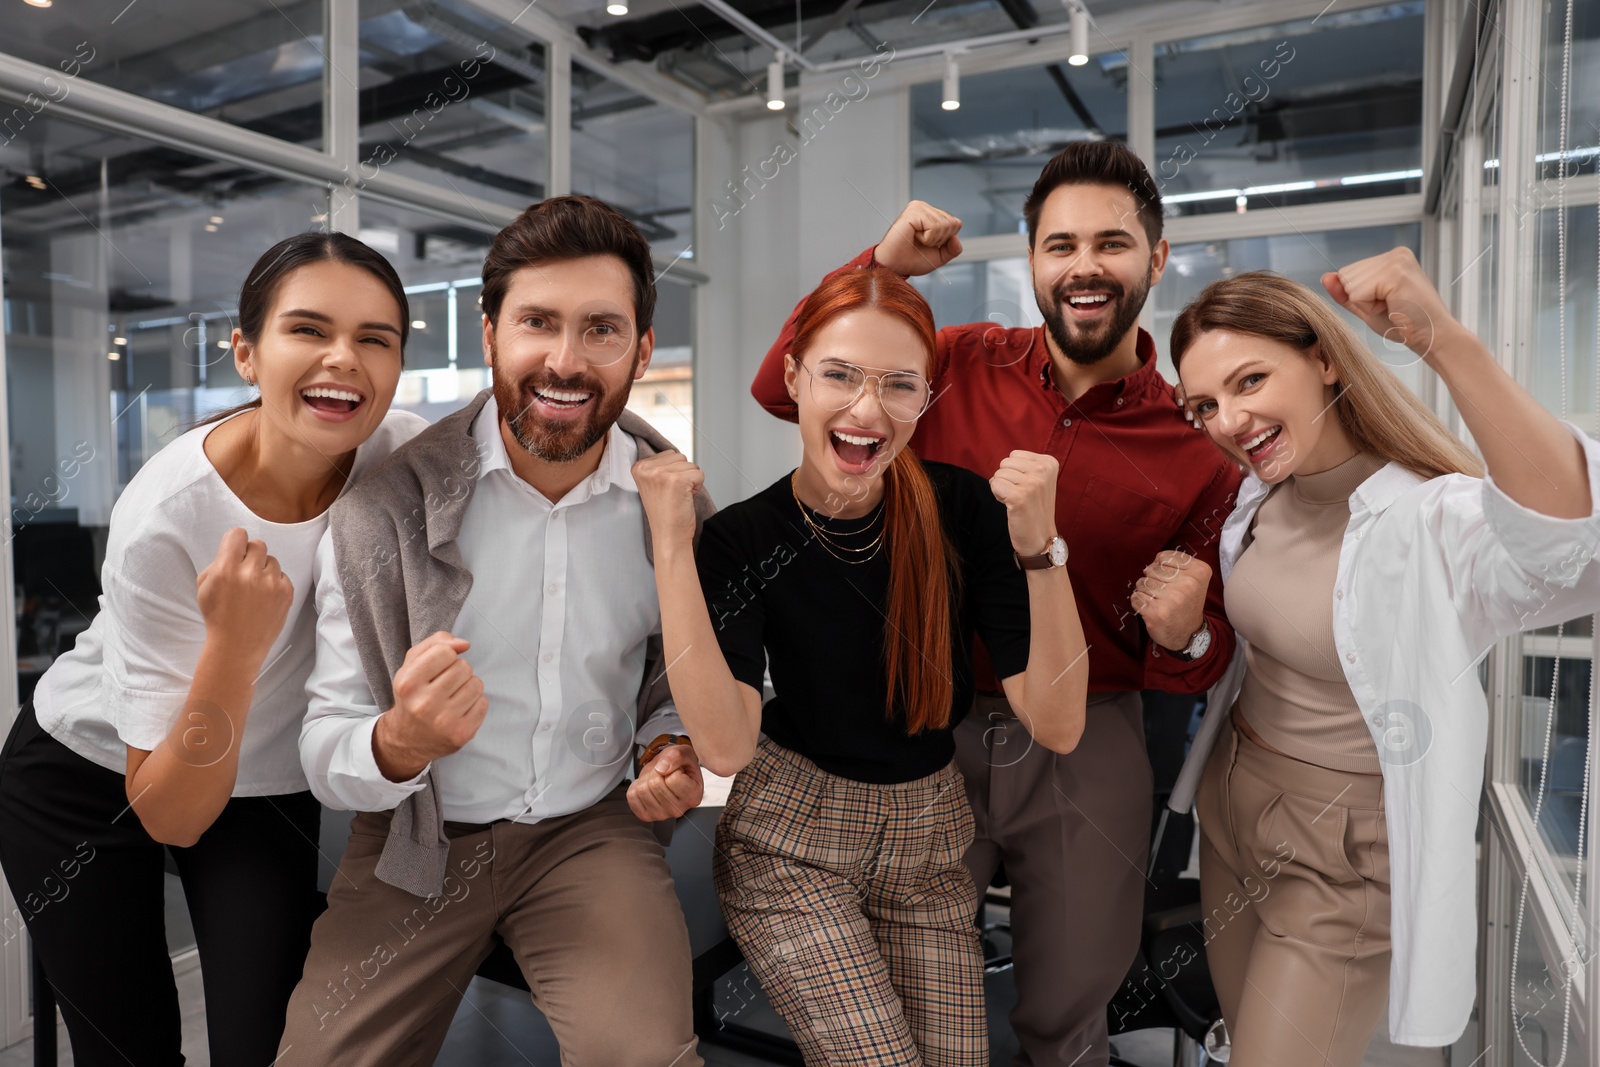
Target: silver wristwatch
pixel 1197 644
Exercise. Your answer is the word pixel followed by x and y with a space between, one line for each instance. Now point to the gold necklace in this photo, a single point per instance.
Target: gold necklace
pixel 826 541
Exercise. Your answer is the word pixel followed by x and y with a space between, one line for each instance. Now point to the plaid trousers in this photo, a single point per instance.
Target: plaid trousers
pixel 855 912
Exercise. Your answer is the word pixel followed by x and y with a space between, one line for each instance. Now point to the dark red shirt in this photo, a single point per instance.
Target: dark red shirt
pixel 1135 479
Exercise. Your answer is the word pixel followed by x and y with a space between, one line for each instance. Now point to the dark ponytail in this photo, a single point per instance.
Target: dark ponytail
pixel 260 287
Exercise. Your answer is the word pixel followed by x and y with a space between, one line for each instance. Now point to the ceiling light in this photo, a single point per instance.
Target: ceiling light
pixel 617 7
pixel 775 83
pixel 113 355
pixel 119 340
pixel 211 227
pixel 224 344
pixel 40 3
pixel 1080 35
pixel 418 324
pixel 217 219
pixel 35 181
pixel 952 83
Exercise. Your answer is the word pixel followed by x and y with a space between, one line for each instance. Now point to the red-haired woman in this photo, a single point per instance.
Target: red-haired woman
pixel 860 579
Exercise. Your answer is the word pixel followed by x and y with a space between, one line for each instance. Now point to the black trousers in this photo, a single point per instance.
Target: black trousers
pixel 88 883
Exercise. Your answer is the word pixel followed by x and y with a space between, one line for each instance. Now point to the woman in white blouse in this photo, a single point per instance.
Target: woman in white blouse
pixel 1369 564
pixel 175 719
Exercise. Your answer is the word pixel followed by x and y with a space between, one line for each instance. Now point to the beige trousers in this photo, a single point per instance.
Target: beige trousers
pixel 1294 881
pixel 585 901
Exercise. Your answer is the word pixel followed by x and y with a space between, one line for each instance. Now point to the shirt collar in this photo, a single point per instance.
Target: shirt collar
pixel 616 462
pixel 1128 387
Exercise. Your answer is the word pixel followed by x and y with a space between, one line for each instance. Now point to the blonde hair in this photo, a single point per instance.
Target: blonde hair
pixel 1372 404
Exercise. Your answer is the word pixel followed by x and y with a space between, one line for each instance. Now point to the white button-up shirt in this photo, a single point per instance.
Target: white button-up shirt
pixel 1431 574
pixel 563 602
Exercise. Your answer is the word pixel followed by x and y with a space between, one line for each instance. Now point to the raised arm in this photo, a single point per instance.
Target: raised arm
pixel 180 786
pixel 721 713
pixel 920 241
pixel 1050 695
pixel 1531 457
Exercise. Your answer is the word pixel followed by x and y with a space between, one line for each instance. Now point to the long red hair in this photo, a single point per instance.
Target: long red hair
pixel 922 578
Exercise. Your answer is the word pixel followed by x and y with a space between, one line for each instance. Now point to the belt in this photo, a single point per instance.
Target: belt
pixel 453 830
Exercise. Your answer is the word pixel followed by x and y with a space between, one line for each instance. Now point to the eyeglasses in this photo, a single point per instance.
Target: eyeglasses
pixel 835 385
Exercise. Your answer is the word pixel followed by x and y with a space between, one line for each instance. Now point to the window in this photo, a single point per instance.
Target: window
pixel 980 162
pixel 1318 109
pixel 449 98
pixel 254 63
pixel 636 155
pixel 1302 257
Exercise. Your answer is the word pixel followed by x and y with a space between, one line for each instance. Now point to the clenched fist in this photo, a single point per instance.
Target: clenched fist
pixel 438 707
pixel 1171 598
pixel 1392 294
pixel 920 241
pixel 667 484
pixel 1026 485
pixel 669 786
pixel 244 598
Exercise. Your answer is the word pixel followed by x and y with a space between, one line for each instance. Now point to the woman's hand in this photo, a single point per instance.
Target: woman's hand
pixel 667 484
pixel 1026 485
pixel 1392 294
pixel 244 598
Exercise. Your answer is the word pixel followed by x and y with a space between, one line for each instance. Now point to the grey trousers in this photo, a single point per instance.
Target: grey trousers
pixel 1074 833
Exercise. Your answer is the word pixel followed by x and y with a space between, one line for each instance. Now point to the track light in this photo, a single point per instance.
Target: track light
pixel 775 83
pixel 1080 34
pixel 617 7
pixel 952 83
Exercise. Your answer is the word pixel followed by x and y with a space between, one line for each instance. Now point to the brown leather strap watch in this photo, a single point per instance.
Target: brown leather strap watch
pixel 658 746
pixel 1054 555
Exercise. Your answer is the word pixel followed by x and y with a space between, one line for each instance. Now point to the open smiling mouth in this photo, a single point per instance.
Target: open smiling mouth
pixel 1262 443
pixel 562 400
pixel 1086 305
pixel 856 452
pixel 332 403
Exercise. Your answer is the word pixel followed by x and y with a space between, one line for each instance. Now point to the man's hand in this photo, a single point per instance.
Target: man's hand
pixel 669 786
pixel 667 484
pixel 1171 598
pixel 438 707
pixel 920 241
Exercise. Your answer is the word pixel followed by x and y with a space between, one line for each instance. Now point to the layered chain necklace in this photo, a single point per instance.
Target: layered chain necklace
pixel 841 552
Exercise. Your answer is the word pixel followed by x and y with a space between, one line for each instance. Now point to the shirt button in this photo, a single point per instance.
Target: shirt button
pixel 1338 594
pixel 1066 422
pixel 548 656
pixel 1350 657
pixel 546 727
pixel 1377 720
pixel 551 588
pixel 1119 401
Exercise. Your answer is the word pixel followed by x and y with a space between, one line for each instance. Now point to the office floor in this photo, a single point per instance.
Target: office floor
pixel 496 1026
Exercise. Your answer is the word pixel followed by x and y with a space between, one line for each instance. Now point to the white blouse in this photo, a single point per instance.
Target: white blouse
pixel 126 680
pixel 1432 573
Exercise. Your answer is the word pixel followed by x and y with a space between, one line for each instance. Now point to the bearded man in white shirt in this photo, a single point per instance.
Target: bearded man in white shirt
pixel 488 658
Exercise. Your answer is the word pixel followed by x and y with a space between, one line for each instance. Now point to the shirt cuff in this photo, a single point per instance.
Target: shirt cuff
pixel 363 766
pixel 664 720
pixel 144 720
pixel 1534 539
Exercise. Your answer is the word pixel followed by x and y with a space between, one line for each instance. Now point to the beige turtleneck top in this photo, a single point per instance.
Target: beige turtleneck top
pixel 1280 598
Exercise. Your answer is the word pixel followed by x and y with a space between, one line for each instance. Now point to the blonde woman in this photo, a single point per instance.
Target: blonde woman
pixel 1368 565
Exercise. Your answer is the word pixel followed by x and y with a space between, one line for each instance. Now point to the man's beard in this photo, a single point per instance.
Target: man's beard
pixel 547 439
pixel 1096 343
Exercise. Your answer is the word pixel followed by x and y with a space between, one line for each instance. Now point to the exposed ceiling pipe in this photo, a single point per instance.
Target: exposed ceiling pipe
pixel 757 33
